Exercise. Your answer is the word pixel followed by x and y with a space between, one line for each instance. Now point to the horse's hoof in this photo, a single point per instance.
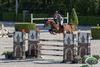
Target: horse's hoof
pixel 54 33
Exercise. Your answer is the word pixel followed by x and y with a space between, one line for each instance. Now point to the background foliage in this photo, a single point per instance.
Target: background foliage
pixel 87 10
pixel 95 31
pixel 83 7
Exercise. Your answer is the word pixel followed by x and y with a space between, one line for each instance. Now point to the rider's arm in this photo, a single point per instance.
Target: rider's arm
pixel 55 16
pixel 60 17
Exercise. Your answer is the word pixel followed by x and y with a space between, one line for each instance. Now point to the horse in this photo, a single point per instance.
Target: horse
pixel 56 28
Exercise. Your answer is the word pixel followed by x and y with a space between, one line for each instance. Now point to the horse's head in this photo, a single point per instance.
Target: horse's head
pixel 48 22
pixel 52 24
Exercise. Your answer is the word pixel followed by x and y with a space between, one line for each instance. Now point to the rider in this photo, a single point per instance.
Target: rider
pixel 58 19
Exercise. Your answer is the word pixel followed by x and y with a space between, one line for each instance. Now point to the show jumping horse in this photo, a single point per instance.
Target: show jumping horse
pixel 56 28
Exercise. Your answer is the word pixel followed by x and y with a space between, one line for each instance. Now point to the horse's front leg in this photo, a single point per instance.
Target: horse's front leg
pixel 51 31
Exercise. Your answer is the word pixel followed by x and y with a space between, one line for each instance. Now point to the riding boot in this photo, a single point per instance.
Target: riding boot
pixel 62 26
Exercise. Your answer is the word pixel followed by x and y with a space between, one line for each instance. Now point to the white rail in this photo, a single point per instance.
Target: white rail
pixel 47 18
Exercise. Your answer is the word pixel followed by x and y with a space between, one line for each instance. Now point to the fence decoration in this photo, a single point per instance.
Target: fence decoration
pixel 83 44
pixel 33 47
pixel 19 48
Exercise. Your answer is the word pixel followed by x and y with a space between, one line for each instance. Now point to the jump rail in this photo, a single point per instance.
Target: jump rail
pixel 51 45
pixel 52 55
pixel 48 18
pixel 51 40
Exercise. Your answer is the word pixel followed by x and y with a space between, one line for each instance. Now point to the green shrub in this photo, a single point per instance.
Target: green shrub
pixel 8 55
pixel 95 31
pixel 84 66
pixel 89 20
pixel 91 60
pixel 26 26
pixel 96 56
pixel 9 16
pixel 83 20
pixel 85 57
pixel 20 17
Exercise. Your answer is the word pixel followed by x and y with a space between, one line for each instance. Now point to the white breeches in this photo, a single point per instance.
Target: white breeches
pixel 61 22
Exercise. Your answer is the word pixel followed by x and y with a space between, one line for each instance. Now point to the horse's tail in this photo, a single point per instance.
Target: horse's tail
pixel 67 28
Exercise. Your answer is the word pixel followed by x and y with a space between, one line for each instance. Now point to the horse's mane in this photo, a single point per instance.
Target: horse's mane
pixel 51 21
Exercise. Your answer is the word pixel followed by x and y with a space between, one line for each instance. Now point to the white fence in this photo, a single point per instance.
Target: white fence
pixel 48 18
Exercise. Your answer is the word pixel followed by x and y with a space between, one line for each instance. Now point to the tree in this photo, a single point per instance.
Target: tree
pixel 74 17
pixel 94 7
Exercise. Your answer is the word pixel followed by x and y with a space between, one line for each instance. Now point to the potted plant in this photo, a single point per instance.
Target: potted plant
pixel 8 55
